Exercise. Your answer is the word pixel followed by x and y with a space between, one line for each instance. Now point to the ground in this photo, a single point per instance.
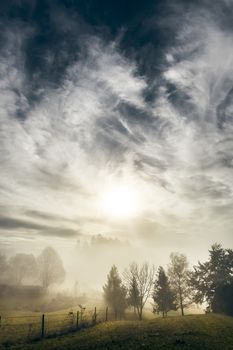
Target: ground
pixel 202 332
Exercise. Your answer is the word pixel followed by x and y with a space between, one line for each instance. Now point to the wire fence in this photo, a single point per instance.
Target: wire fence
pixel 21 329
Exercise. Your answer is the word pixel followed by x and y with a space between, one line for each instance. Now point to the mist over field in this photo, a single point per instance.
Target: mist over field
pixel 116 160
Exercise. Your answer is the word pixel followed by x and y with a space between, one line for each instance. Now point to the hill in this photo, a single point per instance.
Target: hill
pixel 200 332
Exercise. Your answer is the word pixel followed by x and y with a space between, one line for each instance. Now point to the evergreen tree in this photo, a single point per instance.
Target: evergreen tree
pixel 212 279
pixel 115 293
pixel 223 299
pixel 163 296
pixel 134 294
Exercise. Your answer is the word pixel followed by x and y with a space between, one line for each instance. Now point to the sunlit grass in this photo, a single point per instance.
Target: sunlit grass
pixel 201 332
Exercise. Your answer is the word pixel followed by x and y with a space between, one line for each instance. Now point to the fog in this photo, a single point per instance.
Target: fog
pixel 115 136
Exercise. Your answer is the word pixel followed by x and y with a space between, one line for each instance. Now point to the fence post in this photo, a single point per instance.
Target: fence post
pixel 0 321
pixel 42 326
pixel 95 316
pixel 106 314
pixel 77 319
pixel 81 316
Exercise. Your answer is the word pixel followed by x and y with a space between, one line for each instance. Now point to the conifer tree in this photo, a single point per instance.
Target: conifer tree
pixel 115 293
pixel 163 296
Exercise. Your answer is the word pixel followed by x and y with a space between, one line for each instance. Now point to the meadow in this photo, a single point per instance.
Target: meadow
pixel 196 332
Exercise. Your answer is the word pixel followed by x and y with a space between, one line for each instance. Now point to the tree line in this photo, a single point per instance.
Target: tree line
pixel 45 269
pixel 176 288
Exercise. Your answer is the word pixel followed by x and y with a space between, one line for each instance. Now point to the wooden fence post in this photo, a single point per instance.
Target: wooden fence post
pixel 0 321
pixel 42 326
pixel 95 316
pixel 77 319
pixel 106 314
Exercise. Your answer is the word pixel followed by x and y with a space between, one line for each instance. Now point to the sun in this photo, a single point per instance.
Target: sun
pixel 120 201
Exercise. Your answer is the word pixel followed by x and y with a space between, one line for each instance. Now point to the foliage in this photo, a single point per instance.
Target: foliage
pixel 213 276
pixel 115 293
pixel 223 299
pixel 179 278
pixel 133 298
pixel 163 296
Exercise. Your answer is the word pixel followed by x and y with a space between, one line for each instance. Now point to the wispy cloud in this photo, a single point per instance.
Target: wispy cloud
pixel 97 126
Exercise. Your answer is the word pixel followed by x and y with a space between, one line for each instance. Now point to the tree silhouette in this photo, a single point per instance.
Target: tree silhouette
pixel 142 278
pixel 179 273
pixel 133 298
pixel 115 293
pixel 50 268
pixel 3 266
pixel 163 296
pixel 212 279
pixel 22 266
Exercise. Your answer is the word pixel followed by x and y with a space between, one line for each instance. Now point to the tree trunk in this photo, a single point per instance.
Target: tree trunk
pixel 140 314
pixel 181 301
pixel 139 310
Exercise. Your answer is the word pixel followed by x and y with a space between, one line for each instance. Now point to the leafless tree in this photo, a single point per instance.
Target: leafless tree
pixel 50 267
pixel 141 278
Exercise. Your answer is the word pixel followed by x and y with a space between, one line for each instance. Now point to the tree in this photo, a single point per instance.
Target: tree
pixel 3 263
pixel 133 298
pixel 3 266
pixel 50 268
pixel 163 296
pixel 223 299
pixel 22 266
pixel 213 278
pixel 179 273
pixel 115 293
pixel 142 278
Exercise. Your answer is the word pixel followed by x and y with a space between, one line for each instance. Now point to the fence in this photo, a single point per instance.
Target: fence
pixel 15 329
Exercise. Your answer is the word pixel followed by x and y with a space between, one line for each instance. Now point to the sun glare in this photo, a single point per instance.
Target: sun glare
pixel 120 201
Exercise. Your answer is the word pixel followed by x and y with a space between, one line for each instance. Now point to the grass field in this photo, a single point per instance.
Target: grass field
pixel 202 332
pixel 18 327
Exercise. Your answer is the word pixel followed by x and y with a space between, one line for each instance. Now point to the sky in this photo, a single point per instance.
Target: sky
pixel 116 121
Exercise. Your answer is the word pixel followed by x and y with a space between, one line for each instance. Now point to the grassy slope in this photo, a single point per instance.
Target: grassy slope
pixel 201 332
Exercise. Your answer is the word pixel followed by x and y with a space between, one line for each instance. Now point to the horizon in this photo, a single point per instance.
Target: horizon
pixel 116 120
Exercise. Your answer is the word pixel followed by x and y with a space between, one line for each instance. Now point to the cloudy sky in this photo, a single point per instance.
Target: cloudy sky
pixel 99 97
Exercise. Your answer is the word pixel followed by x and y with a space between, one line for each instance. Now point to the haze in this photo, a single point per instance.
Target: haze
pixel 116 132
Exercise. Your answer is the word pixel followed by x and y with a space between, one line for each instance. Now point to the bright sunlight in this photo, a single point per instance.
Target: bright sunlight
pixel 120 201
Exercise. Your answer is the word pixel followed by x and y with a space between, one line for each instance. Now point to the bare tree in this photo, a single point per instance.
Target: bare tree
pixel 179 273
pixel 22 266
pixel 141 278
pixel 50 267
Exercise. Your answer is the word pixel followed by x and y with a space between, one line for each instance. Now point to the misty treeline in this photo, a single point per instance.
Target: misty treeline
pixel 44 270
pixel 176 288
